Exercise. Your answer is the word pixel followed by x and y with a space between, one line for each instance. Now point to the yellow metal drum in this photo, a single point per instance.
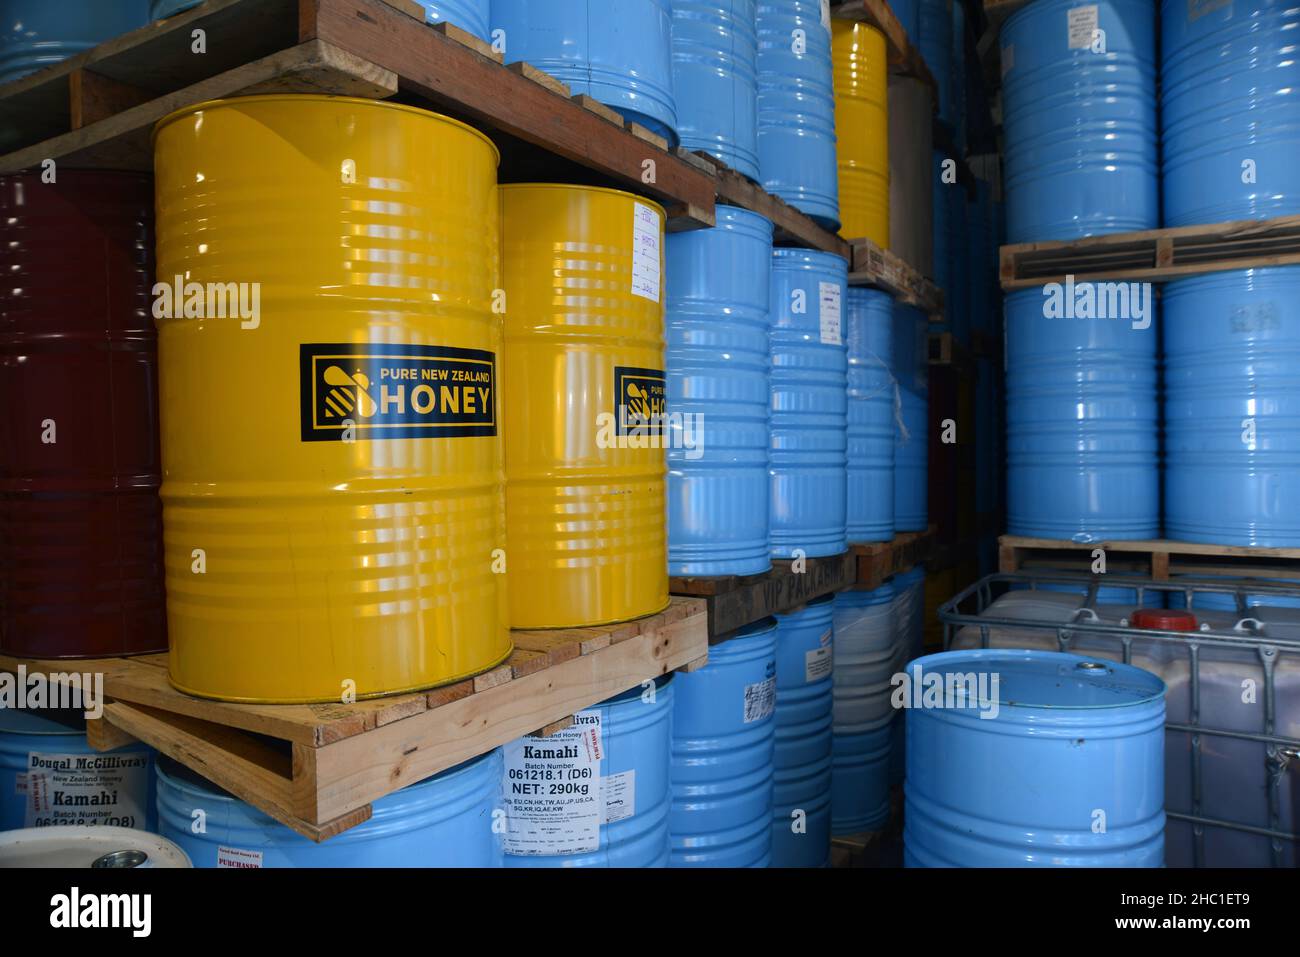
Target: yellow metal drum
pixel 584 397
pixel 862 129
pixel 333 498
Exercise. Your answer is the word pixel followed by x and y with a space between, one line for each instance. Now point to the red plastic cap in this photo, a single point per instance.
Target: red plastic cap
pixel 1158 619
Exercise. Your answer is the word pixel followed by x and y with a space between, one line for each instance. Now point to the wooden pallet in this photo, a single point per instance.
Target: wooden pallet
pixel 857 850
pixel 98 108
pixel 734 601
pixel 878 561
pixel 317 768
pixel 945 350
pixel 904 58
pixel 1159 558
pixel 1154 255
pixel 873 266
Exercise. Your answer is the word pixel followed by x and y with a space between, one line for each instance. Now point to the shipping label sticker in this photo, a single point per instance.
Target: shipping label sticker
pixel 1081 26
pixel 87 789
pixel 237 857
pixel 620 795
pixel 552 790
pixel 817 664
pixel 828 303
pixel 357 392
pixel 760 700
pixel 645 252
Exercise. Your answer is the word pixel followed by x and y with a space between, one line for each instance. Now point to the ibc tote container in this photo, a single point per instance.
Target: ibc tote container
pixel 715 79
pixel 801 811
pixel 596 794
pixel 585 433
pixel 808 459
pixel 37 33
pixel 1232 407
pixel 443 821
pixel 1080 121
pixel 717 364
pixel 872 393
pixel 1073 743
pixel 860 74
pixel 618 51
pixel 723 750
pixel 796 107
pixel 1230 110
pixel 81 565
pixel 330 520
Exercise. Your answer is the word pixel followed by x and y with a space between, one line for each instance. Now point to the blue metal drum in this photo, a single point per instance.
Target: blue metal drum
pixel 870 340
pixel 935 27
pixel 715 78
pixel 716 311
pixel 445 821
pixel 959 75
pixel 1232 407
pixel 470 15
pixel 161 9
pixel 1081 135
pixel 911 449
pixel 808 452
pixel 909 626
pixel 1230 110
pixel 801 811
pixel 724 735
pixel 621 748
pixel 617 51
pixel 908 14
pixel 51 746
pixel 1048 760
pixel 1082 436
pixel 37 33
pixel 942 206
pixel 796 108
pixel 868 653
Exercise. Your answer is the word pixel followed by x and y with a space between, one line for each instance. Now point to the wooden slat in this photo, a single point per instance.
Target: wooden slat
pixel 778 592
pixel 530 72
pixel 93 97
pixel 873 266
pixel 790 225
pixel 1154 545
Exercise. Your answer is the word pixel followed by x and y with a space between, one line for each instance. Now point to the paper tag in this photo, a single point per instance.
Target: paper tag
pixel 20 783
pixel 87 789
pixel 238 857
pixel 552 790
pixel 817 662
pixel 1199 8
pixel 760 700
pixel 1082 26
pixel 829 312
pixel 826 14
pixel 620 795
pixel 645 252
pixel 1008 58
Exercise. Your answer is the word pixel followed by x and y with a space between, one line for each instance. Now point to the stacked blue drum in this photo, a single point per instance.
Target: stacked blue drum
pixel 161 9
pixel 796 108
pixel 1034 759
pixel 715 78
pixel 446 821
pixel 1230 110
pixel 870 338
pixel 1082 437
pixel 935 28
pixel 1232 407
pixel 722 762
pixel 596 794
pixel 808 452
pixel 908 13
pixel 619 54
pixel 717 379
pixel 37 33
pixel 911 449
pixel 868 653
pixel 1079 113
pixel 801 810
pixel 909 630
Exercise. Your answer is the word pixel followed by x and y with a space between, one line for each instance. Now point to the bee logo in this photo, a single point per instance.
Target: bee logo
pixel 347 393
pixel 641 399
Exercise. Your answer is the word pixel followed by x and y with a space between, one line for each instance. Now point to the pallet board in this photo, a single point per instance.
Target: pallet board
pixel 1154 255
pixel 904 58
pixel 370 48
pixel 317 768
pixel 873 266
pixel 878 561
pixel 1160 558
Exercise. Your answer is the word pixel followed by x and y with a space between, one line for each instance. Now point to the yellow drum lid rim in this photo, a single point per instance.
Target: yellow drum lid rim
pixel 577 187
pixel 233 101
pixel 600 623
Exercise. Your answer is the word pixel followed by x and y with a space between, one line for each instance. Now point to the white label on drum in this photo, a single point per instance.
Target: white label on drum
pixel 237 857
pixel 552 790
pixel 620 795
pixel 645 252
pixel 826 14
pixel 760 700
pixel 1199 8
pixel 829 305
pixel 1082 26
pixel 817 662
pixel 87 789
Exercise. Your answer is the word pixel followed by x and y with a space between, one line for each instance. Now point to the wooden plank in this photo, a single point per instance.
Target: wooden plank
pixel 1153 545
pixel 122 141
pixel 873 266
pixel 353 772
pixel 530 72
pixel 467 39
pixel 790 225
pixel 93 97
pixel 102 735
pixel 778 592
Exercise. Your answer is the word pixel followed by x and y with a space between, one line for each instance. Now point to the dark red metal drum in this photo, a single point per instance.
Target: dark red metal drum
pixel 80 519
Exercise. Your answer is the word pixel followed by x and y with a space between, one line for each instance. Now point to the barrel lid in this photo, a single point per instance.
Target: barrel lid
pixel 862 597
pixel 29 721
pixel 98 847
pixel 238 101
pixel 1161 619
pixel 580 188
pixel 1045 679
pixel 810 256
